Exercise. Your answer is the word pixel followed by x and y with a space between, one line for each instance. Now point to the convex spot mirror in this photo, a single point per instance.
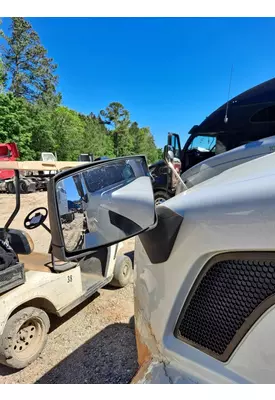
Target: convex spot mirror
pixel 169 153
pixel 102 204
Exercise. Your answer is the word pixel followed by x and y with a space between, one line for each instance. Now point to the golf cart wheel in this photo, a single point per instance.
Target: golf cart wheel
pixel 122 272
pixel 161 197
pixel 24 337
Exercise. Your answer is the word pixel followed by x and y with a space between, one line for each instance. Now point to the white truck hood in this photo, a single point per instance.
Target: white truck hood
pixel 259 167
pixel 217 164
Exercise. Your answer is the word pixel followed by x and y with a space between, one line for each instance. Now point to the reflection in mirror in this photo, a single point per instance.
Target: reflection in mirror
pixel 170 155
pixel 105 203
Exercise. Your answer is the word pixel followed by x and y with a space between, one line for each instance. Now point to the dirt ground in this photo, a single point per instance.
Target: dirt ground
pixel 95 342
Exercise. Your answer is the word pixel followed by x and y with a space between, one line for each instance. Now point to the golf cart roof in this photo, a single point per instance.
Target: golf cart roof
pixel 39 165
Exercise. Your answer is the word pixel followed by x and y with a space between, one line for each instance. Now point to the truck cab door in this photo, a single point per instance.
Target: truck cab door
pixel 174 142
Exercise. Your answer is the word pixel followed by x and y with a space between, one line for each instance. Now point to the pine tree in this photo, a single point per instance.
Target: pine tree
pixel 116 116
pixel 3 76
pixel 30 71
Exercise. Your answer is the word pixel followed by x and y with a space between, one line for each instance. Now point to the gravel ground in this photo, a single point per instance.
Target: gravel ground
pixel 94 343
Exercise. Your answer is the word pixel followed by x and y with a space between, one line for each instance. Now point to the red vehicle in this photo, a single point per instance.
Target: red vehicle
pixel 8 152
pixel 28 184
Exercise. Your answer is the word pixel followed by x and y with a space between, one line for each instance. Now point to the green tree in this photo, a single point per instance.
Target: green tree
pixel 16 124
pixel 152 152
pixel 134 132
pixel 30 71
pixel 125 144
pixel 43 137
pixel 140 142
pixel 68 130
pixel 97 139
pixel 118 118
pixel 144 142
pixel 3 76
pixel 159 154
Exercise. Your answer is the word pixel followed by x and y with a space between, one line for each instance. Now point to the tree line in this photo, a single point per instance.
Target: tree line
pixel 32 114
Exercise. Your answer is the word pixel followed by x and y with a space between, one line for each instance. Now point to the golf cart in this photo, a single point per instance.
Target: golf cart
pixel 35 285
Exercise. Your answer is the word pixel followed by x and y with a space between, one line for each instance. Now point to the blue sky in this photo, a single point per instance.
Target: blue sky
pixel 169 73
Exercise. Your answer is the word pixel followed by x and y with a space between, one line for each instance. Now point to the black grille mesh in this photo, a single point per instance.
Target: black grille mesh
pixel 225 297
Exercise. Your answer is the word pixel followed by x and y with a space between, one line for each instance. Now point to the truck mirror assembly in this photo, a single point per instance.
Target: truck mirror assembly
pixel 119 205
pixel 168 153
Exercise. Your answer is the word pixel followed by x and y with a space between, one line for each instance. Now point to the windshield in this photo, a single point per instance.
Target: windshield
pixel 48 157
pixel 4 152
pixel 203 143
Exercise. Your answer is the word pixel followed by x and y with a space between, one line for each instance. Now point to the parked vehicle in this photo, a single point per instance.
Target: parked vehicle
pixel 215 165
pixel 35 285
pixel 246 118
pixel 30 181
pixel 204 307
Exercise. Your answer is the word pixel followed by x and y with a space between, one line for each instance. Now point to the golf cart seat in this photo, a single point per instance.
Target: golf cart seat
pixel 23 246
pixel 20 241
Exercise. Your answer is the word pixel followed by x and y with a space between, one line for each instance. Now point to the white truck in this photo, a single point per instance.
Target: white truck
pixel 205 276
pixel 205 293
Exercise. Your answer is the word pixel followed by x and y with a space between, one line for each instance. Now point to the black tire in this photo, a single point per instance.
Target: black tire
pixel 123 272
pixel 32 187
pixel 161 196
pixel 10 187
pixel 23 187
pixel 24 337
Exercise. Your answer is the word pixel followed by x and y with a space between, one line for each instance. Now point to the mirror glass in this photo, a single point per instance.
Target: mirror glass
pixel 169 153
pixel 105 203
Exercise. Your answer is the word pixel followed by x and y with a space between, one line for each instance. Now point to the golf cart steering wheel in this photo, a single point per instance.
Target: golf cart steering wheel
pixel 35 218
